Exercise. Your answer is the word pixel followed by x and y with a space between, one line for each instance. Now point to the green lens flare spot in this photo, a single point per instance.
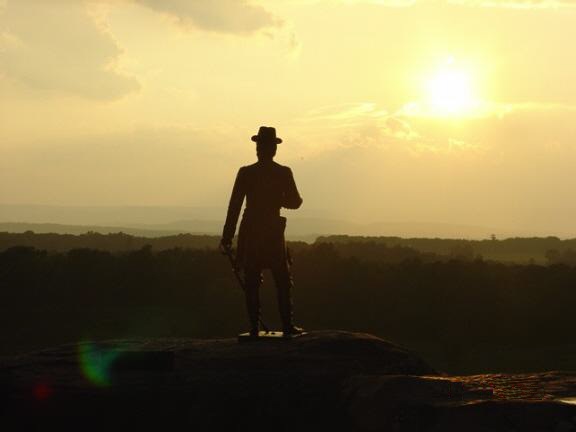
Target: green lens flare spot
pixel 96 363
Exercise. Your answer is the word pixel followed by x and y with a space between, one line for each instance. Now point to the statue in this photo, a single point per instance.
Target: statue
pixel 267 187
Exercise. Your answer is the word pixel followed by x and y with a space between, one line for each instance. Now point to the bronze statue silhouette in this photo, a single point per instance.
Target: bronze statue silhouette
pixel 267 187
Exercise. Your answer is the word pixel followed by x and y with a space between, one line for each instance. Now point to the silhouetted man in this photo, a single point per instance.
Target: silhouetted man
pixel 267 186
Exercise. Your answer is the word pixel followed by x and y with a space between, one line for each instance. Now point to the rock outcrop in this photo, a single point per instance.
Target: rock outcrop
pixel 325 380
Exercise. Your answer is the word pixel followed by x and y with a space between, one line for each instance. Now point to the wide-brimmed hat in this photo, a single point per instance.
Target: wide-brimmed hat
pixel 266 134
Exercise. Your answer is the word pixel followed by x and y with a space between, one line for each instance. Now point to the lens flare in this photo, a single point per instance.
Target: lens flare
pixel 96 363
pixel 42 391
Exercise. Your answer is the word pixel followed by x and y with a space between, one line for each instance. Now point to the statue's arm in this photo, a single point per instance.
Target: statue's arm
pixel 291 198
pixel 234 207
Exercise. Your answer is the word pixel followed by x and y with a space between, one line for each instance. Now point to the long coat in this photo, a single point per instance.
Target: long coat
pixel 267 187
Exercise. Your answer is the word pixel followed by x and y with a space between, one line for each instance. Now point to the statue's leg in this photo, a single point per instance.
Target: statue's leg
pixel 284 287
pixel 253 280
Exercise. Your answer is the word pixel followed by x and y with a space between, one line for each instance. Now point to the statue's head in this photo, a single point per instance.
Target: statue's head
pixel 266 151
pixel 266 143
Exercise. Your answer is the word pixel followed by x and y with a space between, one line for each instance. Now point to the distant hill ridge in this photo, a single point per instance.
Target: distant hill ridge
pixel 110 241
pixel 305 224
pixel 515 249
pixel 537 250
pixel 56 228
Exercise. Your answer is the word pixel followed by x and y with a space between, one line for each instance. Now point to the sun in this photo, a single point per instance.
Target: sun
pixel 450 90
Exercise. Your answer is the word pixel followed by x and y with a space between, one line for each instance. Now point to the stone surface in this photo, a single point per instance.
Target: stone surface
pixel 440 404
pixel 214 383
pixel 376 402
pixel 325 380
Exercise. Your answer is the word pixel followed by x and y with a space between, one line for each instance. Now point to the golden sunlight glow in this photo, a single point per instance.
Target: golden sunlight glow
pixel 450 91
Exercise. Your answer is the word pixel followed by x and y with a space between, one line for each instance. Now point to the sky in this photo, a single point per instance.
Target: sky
pixel 459 112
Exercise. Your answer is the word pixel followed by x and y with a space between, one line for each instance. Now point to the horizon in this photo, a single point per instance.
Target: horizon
pixel 164 220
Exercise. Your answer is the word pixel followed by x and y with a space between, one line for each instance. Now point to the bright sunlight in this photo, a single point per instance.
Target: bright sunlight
pixel 450 90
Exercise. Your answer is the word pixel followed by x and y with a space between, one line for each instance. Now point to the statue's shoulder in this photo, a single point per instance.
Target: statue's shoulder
pixel 247 168
pixel 283 168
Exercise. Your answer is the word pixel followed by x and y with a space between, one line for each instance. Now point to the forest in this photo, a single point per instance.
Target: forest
pixel 536 250
pixel 463 313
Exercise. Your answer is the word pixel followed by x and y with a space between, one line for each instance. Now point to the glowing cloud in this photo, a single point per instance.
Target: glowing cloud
pixel 224 16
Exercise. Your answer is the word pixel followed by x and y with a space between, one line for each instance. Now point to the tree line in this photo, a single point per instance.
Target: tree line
pixel 537 250
pixel 463 315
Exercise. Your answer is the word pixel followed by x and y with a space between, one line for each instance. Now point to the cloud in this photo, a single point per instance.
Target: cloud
pixel 514 4
pixel 58 47
pixel 392 3
pixel 368 125
pixel 509 171
pixel 223 16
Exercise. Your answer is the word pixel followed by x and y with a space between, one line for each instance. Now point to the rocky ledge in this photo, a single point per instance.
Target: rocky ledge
pixel 325 380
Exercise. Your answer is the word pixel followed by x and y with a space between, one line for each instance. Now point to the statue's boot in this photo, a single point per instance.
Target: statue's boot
pixel 285 305
pixel 253 307
pixel 252 288
pixel 292 330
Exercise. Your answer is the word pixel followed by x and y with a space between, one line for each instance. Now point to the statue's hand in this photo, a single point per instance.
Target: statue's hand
pixel 225 246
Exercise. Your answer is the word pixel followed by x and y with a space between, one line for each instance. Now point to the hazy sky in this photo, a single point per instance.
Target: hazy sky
pixel 457 111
